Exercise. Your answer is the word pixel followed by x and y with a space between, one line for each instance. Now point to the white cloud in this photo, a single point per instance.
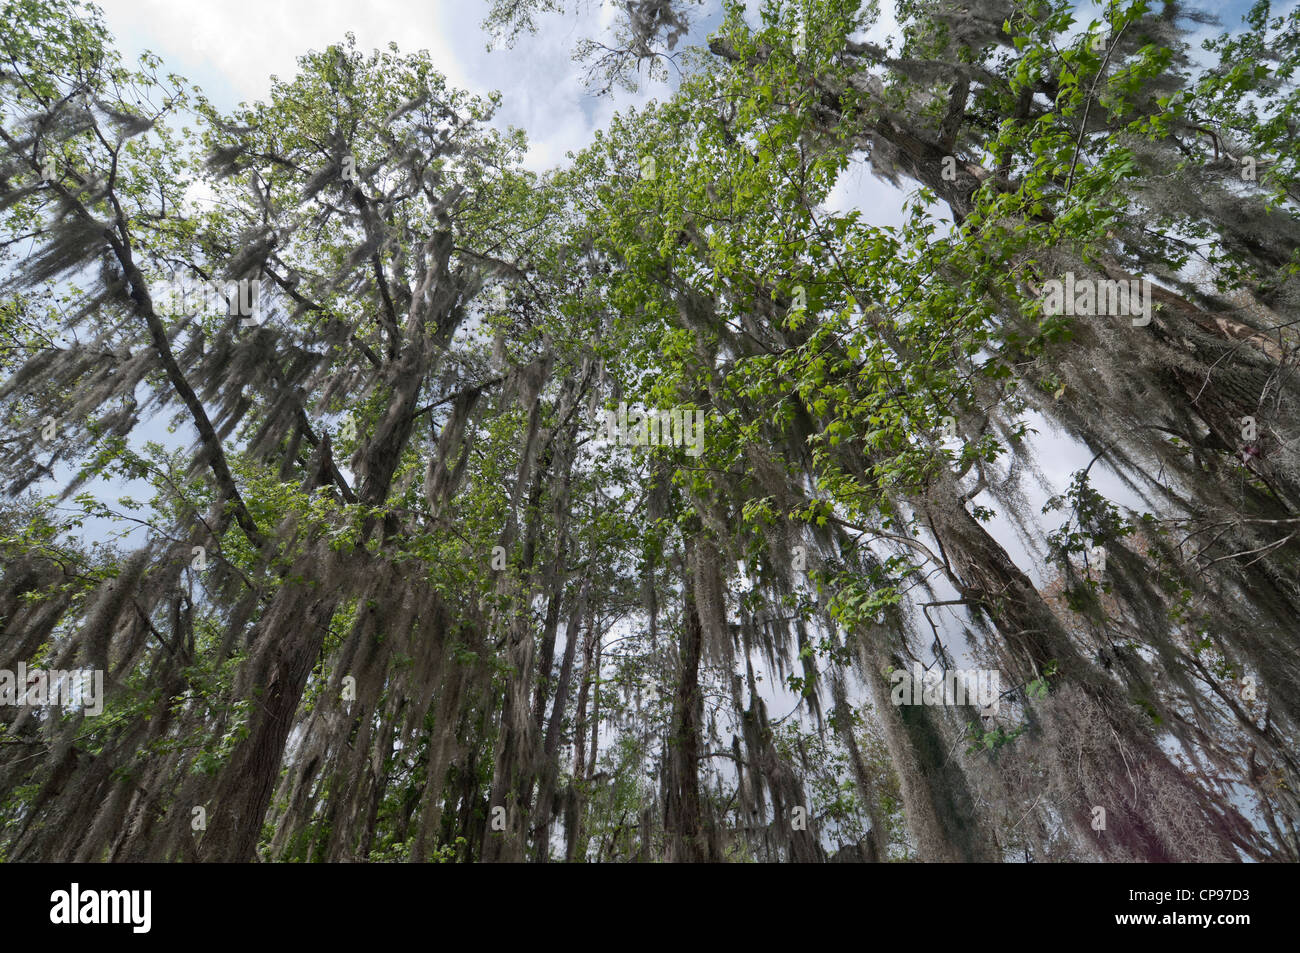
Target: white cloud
pixel 240 43
pixel 881 204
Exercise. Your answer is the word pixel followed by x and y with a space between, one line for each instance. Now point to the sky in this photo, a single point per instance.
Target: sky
pixel 212 45
pixel 543 90
pixel 231 49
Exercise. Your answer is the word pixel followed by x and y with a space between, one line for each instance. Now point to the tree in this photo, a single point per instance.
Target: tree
pixel 597 515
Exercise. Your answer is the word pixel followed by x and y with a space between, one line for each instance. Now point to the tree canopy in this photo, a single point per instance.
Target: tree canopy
pixel 415 506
